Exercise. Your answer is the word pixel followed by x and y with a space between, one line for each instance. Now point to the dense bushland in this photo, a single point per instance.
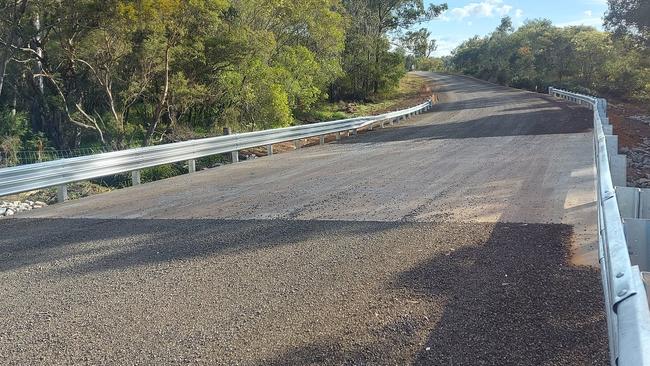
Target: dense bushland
pixel 119 73
pixel 539 54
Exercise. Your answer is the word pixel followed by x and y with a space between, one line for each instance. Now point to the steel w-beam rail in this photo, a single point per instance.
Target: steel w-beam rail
pixel 59 172
pixel 626 302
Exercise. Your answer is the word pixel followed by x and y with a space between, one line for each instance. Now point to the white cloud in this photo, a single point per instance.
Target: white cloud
pixel 519 13
pixel 486 9
pixel 446 45
pixel 588 13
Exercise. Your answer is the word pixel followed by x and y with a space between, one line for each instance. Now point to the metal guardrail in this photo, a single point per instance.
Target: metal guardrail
pixel 60 172
pixel 24 157
pixel 626 301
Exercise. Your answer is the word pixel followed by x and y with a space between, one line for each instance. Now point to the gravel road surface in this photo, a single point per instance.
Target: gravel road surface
pixel 453 238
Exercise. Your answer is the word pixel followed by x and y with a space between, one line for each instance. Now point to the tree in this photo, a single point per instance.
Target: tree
pixel 418 43
pixel 539 54
pixel 629 18
pixel 370 66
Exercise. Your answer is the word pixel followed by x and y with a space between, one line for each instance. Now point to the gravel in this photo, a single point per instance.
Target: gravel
pixel 278 292
pixel 9 208
pixel 638 163
pixel 389 248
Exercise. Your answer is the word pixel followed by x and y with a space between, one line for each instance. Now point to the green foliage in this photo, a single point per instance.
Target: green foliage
pixel 435 64
pixel 630 18
pixel 13 124
pixel 370 66
pixel 129 72
pixel 123 73
pixel 539 54
pixel 161 172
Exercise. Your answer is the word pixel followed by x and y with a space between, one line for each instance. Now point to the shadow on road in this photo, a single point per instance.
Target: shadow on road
pixel 511 300
pixel 541 119
pixel 283 292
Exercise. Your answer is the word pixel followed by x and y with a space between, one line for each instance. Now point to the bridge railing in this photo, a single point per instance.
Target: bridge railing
pixel 623 246
pixel 61 172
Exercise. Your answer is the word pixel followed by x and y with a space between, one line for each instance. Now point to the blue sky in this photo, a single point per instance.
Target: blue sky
pixel 466 18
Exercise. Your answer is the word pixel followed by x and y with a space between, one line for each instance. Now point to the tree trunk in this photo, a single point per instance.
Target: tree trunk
pixel 157 114
pixel 3 71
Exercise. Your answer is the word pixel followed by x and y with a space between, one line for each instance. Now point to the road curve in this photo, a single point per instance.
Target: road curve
pixel 444 240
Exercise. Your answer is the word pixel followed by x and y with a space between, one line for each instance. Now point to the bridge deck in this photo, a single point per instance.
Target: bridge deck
pixel 445 240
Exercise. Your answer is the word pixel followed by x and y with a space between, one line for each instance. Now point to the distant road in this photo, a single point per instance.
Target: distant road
pixel 444 240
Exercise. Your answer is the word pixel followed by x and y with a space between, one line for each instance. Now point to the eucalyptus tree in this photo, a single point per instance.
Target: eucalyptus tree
pixel 630 18
pixel 370 65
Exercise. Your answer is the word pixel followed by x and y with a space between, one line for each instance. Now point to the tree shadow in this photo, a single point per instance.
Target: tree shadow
pixel 524 123
pixel 479 294
pixel 513 299
pixel 110 244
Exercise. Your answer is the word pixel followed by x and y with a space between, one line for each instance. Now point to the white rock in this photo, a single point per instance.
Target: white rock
pixel 40 203
pixel 9 212
pixel 2 211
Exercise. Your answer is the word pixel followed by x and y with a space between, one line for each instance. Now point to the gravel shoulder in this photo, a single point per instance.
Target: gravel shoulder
pixel 452 238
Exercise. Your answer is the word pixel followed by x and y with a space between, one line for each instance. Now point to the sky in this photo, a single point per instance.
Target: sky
pixel 466 18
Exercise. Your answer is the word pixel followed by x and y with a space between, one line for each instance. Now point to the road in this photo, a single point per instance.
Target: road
pixel 455 238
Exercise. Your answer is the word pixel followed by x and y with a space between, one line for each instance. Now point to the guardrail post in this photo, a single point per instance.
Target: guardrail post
pixel 61 193
pixel 354 132
pixel 618 168
pixel 269 149
pixel 321 140
pixel 135 177
pixel 297 143
pixel 234 155
pixel 191 166
pixel 371 127
pixel 383 124
pixel 611 142
pixel 338 136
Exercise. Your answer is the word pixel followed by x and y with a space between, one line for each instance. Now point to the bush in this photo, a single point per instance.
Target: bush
pixel 162 171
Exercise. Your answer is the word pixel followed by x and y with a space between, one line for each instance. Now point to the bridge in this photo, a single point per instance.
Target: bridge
pixel 464 235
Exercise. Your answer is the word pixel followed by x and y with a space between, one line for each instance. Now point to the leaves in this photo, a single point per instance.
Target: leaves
pixel 539 54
